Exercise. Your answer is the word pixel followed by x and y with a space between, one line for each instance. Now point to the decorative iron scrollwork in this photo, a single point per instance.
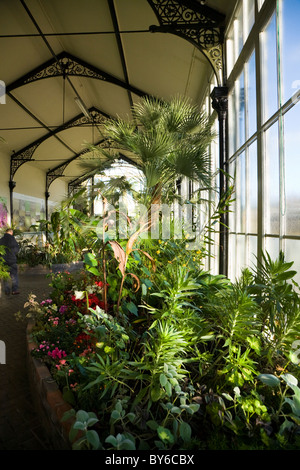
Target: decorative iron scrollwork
pixel 201 26
pixel 65 65
pixel 26 154
pixel 57 172
pixel 18 159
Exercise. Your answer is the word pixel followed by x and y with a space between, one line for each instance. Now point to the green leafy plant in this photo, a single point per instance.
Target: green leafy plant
pixel 287 413
pixel 4 274
pixel 274 291
pixel 83 420
pixel 171 141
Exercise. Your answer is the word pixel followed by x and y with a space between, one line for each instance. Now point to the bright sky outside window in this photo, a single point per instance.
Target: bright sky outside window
pixel 279 149
pixel 291 170
pixel 289 47
pixel 252 192
pixel 240 83
pixel 241 166
pixel 251 96
pixel 269 69
pixel 248 14
pixel 271 175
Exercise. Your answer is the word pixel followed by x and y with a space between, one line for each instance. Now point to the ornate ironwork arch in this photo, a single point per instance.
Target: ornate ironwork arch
pixel 57 172
pixel 198 24
pixel 66 64
pixel 26 154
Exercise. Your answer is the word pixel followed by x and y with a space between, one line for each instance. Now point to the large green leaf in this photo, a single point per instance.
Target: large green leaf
pixel 165 435
pixel 269 379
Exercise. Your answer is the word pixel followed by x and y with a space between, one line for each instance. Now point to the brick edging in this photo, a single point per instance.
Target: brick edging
pixel 49 400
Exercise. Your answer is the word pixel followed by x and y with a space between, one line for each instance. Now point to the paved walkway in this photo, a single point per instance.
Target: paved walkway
pixel 20 427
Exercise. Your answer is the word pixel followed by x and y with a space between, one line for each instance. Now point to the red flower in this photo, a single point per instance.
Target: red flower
pixel 93 300
pixel 99 283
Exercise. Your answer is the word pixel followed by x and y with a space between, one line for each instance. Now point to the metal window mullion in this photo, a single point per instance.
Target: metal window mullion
pixel 260 149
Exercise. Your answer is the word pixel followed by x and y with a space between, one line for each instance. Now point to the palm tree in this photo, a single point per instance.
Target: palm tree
pixel 167 140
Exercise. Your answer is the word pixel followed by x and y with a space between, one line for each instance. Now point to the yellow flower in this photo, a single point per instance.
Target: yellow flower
pixel 158 251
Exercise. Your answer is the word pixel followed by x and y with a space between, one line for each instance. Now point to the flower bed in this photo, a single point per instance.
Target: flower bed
pixel 197 368
pixel 87 351
pixel 48 398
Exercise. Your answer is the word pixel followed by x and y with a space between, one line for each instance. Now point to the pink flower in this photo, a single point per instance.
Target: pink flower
pixel 63 309
pixel 62 362
pixel 57 353
pixel 47 301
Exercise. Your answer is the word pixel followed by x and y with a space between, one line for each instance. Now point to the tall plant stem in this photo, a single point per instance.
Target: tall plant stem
pixel 104 259
pixel 122 283
pixel 120 294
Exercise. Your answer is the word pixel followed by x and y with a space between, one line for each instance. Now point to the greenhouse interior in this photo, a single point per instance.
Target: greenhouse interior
pixel 148 167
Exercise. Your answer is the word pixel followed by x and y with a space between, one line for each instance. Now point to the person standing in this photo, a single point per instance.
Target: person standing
pixel 10 258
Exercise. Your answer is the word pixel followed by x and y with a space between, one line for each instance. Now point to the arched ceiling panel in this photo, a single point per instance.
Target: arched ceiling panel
pixel 161 77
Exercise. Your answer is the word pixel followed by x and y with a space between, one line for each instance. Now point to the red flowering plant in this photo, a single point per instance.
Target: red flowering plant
pixel 58 331
pixel 88 294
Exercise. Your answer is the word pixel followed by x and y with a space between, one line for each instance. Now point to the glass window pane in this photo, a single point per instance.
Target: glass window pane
pixel 241 193
pixel 240 84
pixel 292 253
pixel 251 95
pixel 252 251
pixel 238 32
pixel 292 167
pixel 252 176
pixel 249 6
pixel 269 69
pixel 232 213
pixel 232 121
pixel 271 179
pixel 232 256
pixel 290 47
pixel 240 254
pixel 230 50
pixel 272 246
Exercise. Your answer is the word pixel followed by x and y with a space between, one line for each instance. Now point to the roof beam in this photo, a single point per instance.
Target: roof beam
pixel 66 64
pixel 120 46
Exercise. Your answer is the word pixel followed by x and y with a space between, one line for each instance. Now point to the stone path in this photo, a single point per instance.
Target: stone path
pixel 20 426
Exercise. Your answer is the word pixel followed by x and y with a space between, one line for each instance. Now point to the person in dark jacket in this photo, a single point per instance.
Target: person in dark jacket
pixel 10 258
